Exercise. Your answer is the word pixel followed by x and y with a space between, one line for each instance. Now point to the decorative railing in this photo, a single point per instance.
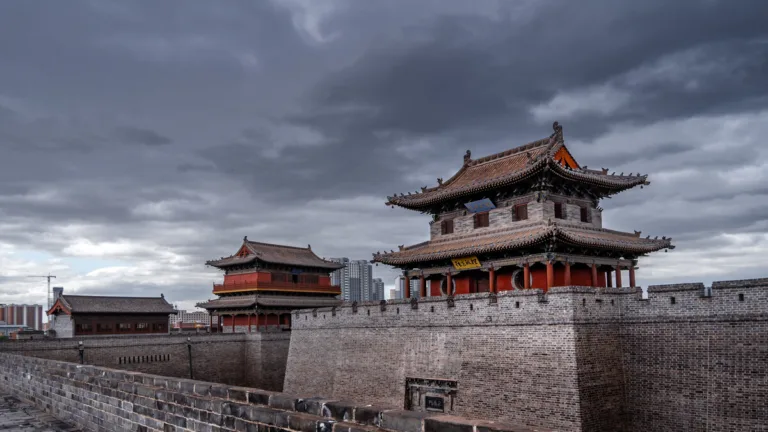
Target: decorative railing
pixel 279 286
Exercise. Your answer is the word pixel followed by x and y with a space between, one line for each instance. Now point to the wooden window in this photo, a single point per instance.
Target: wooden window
pixel 559 211
pixel 481 220
pixel 158 327
pixel 104 327
pixel 142 326
pixel 124 327
pixel 585 214
pixel 520 212
pixel 446 226
pixel 280 277
pixel 310 279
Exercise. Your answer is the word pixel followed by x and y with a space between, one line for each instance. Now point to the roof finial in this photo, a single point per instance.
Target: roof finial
pixel 245 238
pixel 439 181
pixel 309 246
pixel 467 156
pixel 558 131
pixel 162 296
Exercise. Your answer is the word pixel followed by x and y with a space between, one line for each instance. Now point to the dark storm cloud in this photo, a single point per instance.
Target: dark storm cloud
pixel 476 71
pixel 136 135
pixel 290 121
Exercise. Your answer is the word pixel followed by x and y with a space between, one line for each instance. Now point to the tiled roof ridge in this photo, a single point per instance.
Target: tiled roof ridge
pixel 509 152
pixel 278 245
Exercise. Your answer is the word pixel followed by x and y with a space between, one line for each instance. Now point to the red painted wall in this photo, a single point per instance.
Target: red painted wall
pixel 264 277
pixel 246 278
pixel 462 284
pixel 242 320
pixel 580 276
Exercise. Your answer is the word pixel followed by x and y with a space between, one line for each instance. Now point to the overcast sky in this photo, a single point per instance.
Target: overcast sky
pixel 141 138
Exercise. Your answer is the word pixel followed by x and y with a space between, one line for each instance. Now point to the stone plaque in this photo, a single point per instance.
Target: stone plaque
pixel 432 403
pixel 430 394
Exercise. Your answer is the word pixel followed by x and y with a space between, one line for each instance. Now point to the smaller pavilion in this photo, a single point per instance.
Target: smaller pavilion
pixel 264 282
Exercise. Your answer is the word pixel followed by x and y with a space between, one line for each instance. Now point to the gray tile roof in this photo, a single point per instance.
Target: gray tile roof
pixel 248 301
pixel 110 304
pixel 277 254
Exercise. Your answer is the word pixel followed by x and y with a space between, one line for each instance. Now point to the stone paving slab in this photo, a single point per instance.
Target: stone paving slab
pixel 22 416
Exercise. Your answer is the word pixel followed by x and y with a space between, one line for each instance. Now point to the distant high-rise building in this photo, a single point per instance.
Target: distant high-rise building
pixel 355 279
pixel 378 289
pixel 395 293
pixel 24 314
pixel 190 317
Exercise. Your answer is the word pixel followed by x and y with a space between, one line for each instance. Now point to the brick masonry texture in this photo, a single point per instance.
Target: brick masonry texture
pixel 574 359
pixel 256 359
pixel 103 399
pixel 501 217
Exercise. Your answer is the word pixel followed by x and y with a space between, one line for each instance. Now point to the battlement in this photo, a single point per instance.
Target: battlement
pixel 510 355
pixel 559 305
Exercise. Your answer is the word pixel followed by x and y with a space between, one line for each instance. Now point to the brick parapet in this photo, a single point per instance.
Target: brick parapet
pixel 98 398
pixel 561 305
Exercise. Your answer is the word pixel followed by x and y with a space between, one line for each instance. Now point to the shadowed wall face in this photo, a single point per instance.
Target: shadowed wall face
pixel 256 360
pixel 575 359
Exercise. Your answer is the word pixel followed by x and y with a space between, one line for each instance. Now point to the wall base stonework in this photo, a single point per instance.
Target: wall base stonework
pixel 577 358
pixel 102 399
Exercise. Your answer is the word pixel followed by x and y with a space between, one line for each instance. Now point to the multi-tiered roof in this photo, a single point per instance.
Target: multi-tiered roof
pixel 543 168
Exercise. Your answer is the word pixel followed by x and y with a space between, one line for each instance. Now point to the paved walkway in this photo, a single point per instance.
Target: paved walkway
pixel 21 416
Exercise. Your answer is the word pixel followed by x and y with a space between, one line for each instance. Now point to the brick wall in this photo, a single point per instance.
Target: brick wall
pixel 575 359
pixel 513 360
pixel 102 399
pixel 244 359
pixel 501 217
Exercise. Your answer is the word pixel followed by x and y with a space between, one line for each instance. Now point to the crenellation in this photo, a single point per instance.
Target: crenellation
pixel 609 337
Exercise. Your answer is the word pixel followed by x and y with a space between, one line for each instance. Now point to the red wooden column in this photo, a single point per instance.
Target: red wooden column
pixel 608 278
pixel 567 273
pixel 550 275
pixel 526 276
pixel 594 275
pixel 233 323
pixel 422 286
pixel 249 323
pixel 632 275
pixel 258 315
pixel 406 286
pixel 618 276
pixel 448 284
pixel 221 324
pixel 492 280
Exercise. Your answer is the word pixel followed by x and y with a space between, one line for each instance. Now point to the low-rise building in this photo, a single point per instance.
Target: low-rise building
pixel 79 315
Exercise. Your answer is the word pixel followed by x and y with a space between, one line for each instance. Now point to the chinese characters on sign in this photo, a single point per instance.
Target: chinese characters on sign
pixel 466 263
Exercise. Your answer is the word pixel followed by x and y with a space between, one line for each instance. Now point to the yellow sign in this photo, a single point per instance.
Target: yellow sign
pixel 466 263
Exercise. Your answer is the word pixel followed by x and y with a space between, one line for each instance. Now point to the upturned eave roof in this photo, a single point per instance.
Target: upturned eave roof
pixel 250 301
pixel 512 166
pixel 527 235
pixel 275 254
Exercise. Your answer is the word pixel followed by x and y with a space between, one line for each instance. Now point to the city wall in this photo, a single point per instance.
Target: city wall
pixel 687 358
pixel 102 399
pixel 256 359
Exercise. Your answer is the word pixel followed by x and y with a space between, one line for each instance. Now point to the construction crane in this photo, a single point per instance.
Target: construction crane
pixel 50 297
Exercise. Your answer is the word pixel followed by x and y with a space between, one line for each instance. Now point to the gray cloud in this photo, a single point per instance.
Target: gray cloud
pixel 291 124
pixel 135 135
